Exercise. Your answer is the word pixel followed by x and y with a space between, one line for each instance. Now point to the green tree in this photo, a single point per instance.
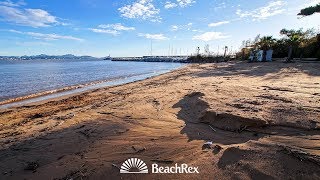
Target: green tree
pixel 310 10
pixel 265 43
pixel 295 39
pixel 280 48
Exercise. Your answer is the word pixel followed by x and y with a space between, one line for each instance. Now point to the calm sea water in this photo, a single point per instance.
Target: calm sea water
pixel 21 78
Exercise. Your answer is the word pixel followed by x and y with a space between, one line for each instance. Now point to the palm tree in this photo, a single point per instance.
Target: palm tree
pixel 295 39
pixel 265 43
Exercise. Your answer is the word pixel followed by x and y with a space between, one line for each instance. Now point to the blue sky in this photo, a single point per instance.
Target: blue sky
pixel 129 27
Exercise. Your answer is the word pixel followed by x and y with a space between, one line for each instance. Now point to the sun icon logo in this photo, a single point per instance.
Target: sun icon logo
pixel 134 165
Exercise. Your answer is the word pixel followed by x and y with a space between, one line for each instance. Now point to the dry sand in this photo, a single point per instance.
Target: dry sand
pixel 264 118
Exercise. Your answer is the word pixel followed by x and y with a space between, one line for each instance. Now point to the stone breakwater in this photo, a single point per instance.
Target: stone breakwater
pixel 175 59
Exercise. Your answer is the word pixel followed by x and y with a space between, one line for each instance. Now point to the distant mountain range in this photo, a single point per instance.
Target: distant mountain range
pixel 44 56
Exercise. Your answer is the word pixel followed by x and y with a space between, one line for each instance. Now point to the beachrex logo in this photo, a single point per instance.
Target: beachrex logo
pixel 176 169
pixel 135 165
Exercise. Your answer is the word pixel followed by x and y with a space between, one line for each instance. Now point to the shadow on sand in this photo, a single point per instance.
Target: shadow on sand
pixel 238 160
pixel 62 154
pixel 192 106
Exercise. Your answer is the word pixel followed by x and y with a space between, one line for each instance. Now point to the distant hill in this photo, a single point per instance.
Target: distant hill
pixel 44 56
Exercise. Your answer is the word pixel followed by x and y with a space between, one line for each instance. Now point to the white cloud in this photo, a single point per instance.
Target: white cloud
pixel 218 23
pixel 223 5
pixel 271 9
pixel 117 27
pixel 141 9
pixel 174 28
pixel 210 36
pixel 12 13
pixel 12 4
pixel 197 30
pixel 185 3
pixel 153 36
pixel 48 37
pixel 105 31
pixel 113 29
pixel 170 5
pixel 181 27
pixel 180 3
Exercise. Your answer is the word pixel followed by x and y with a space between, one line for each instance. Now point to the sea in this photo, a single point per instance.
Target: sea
pixel 20 78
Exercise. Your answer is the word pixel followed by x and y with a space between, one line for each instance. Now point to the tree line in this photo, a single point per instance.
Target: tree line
pixel 292 44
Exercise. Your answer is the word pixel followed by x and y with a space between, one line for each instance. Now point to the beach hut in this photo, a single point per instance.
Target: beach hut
pixel 259 55
pixel 269 55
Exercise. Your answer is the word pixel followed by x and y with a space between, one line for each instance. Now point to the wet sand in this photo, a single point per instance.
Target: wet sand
pixel 262 118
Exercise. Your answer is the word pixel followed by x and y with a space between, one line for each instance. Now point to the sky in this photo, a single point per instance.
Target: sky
pixel 134 27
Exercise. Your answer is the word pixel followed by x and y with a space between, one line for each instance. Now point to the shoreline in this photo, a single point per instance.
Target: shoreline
pixel 81 88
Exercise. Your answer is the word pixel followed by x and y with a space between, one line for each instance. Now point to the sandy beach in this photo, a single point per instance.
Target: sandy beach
pixel 262 118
